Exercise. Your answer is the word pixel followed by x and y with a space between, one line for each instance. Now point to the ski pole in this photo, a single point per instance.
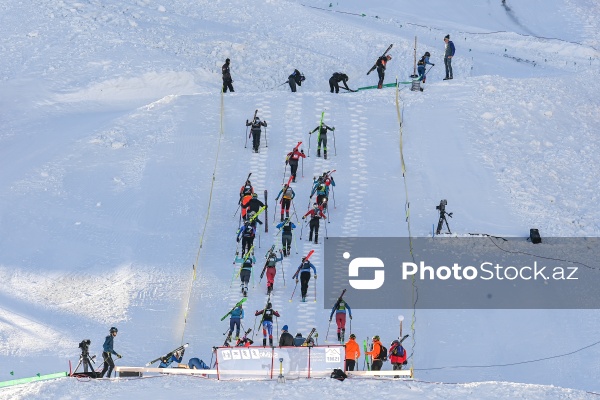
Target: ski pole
pixel 284 169
pixel 252 274
pixel 246 144
pixel 303 167
pixel 282 269
pixel 315 285
pixel 327 334
pixel 275 211
pixel 334 148
pixel 295 245
pixel 309 135
pixel 236 211
pixel 266 139
pixel 301 230
pixel 326 234
pixel 254 330
pixel 294 291
pixel 333 194
pixel 293 205
pixel 277 322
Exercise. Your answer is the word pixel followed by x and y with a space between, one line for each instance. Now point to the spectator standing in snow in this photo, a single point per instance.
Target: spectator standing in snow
pixel 227 81
pixel 448 54
pixel 286 338
pixel 352 352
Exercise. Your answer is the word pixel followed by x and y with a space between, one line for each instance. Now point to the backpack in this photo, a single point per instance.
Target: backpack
pixel 383 353
pixel 338 374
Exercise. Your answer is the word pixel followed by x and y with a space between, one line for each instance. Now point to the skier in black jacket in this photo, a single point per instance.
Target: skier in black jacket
pixel 381 66
pixel 255 131
pixel 296 78
pixel 335 79
pixel 227 81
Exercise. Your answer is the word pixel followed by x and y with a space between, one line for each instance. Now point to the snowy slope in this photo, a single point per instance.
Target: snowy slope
pixel 114 157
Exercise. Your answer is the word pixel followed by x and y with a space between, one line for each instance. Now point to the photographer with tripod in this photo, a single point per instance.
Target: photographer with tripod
pixel 109 364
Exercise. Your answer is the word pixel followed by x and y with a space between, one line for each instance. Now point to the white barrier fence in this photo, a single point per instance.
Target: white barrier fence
pixel 263 363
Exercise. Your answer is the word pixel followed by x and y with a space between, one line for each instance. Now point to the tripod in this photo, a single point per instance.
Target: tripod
pixel 87 361
pixel 442 219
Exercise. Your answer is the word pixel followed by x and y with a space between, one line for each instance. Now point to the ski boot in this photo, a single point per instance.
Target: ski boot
pixel 339 337
pixel 281 218
pixel 343 334
pixel 304 299
pixel 318 152
pixel 325 154
pixel 294 179
pixel 265 342
pixel 288 251
pixel 269 289
pixel 270 342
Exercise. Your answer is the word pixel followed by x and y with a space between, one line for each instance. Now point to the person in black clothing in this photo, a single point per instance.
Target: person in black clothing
pixel 253 206
pixel 381 66
pixel 322 138
pixel 255 131
pixel 296 78
pixel 286 339
pixel 336 78
pixel 227 81
pixel 267 322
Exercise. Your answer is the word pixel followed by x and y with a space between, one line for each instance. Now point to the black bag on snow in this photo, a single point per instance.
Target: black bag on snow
pixel 338 374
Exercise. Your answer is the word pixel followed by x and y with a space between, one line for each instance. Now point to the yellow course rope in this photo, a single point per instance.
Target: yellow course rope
pixel 407 207
pixel 195 266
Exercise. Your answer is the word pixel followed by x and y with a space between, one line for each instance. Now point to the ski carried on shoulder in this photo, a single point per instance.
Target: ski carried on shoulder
pixel 239 303
pixel 403 337
pixel 262 274
pixel 366 356
pixel 383 55
pixel 309 337
pixel 310 253
pixel 246 256
pixel 168 355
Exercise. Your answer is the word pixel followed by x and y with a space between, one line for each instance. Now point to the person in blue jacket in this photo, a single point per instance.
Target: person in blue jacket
pixel 303 272
pixel 422 64
pixel 247 233
pixel 339 308
pixel 321 188
pixel 245 271
pixel 287 195
pixel 108 351
pixel 286 235
pixel 177 357
pixel 235 322
pixel 448 54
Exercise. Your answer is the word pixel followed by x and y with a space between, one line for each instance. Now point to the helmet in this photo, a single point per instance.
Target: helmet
pixel 389 57
pixel 254 195
pixel 227 60
pixel 269 305
pixel 113 329
pixel 427 54
pixel 376 337
pixel 352 336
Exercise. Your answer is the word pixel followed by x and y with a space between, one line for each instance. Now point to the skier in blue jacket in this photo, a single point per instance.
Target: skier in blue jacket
pixel 177 357
pixel 303 272
pixel 108 351
pixel 422 64
pixel 286 236
pixel 339 308
pixel 234 322
pixel 245 272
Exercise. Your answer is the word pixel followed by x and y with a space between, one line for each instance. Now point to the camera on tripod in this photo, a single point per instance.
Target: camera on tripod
pixel 84 345
pixel 442 219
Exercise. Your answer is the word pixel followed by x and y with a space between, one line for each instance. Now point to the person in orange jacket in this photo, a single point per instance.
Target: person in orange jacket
pixel 352 352
pixel 376 362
